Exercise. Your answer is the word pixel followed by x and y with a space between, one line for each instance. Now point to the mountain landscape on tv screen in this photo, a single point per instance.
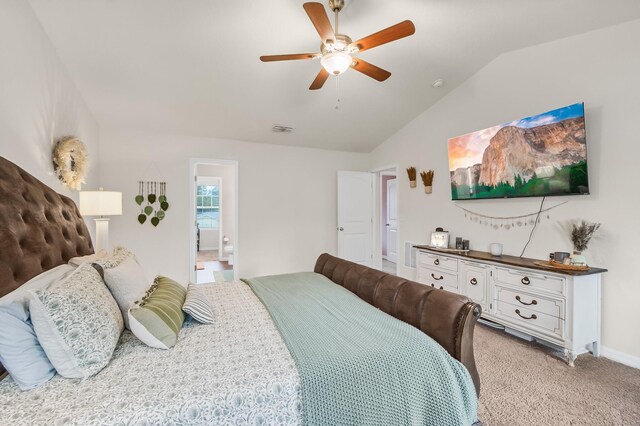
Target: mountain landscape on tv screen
pixel 536 156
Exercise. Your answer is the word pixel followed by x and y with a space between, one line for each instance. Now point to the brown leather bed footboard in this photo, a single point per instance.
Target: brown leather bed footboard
pixel 446 317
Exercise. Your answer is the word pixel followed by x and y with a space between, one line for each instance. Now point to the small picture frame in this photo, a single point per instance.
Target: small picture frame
pixel 440 239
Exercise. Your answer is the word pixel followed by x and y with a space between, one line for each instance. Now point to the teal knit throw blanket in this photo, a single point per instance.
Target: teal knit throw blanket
pixel 360 366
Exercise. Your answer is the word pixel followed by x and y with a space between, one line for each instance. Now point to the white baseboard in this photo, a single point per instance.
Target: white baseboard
pixel 208 248
pixel 621 357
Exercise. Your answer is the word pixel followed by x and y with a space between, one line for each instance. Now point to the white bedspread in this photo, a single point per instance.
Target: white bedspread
pixel 236 371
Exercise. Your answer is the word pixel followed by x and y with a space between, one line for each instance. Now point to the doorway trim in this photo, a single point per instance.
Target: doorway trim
pixel 392 169
pixel 193 163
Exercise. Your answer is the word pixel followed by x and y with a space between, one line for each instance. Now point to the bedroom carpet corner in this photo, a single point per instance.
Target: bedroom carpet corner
pixel 525 384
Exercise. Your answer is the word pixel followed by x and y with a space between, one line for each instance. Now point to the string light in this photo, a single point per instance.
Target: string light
pixel 507 222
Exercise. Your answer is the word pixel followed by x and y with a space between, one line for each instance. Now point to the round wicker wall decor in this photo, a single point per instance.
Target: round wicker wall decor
pixel 70 161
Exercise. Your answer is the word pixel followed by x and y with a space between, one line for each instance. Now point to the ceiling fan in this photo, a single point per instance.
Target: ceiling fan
pixel 338 50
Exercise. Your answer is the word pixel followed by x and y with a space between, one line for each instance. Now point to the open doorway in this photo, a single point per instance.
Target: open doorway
pixel 214 245
pixel 388 207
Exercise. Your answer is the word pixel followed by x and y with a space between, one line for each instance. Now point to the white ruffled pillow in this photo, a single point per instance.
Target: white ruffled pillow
pixel 125 279
pixel 77 261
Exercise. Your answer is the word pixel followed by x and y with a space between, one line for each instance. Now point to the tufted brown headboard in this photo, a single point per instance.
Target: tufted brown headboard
pixel 39 228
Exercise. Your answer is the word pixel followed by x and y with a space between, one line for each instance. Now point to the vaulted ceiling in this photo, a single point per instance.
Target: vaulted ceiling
pixel 192 67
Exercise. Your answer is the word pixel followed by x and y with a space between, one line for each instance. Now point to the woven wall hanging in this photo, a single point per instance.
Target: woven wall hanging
pixel 153 202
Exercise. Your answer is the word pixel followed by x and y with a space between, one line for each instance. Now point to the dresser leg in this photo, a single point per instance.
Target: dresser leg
pixel 570 357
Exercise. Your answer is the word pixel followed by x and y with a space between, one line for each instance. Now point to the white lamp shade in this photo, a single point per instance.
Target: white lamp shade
pixel 100 203
pixel 336 63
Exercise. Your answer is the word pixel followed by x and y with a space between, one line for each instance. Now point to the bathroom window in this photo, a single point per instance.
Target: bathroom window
pixel 208 206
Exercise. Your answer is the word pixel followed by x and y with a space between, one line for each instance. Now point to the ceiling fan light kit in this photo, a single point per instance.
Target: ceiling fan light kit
pixel 336 63
pixel 338 50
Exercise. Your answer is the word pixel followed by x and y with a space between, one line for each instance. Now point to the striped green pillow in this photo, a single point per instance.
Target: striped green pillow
pixel 158 318
pixel 198 305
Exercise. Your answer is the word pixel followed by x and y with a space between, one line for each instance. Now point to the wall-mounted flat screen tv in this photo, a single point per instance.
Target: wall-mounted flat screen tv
pixel 536 156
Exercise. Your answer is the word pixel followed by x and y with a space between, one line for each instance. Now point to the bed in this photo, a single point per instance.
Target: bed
pixel 248 367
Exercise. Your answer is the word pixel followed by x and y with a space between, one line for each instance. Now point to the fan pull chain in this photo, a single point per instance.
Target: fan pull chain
pixel 337 94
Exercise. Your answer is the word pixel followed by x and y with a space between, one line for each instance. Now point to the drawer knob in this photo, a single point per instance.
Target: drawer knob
pixel 473 281
pixel 533 302
pixel 436 278
pixel 441 288
pixel 436 262
pixel 533 316
pixel 525 281
pixel 432 285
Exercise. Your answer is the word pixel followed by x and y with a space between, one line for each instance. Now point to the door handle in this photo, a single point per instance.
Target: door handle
pixel 340 228
pixel 387 224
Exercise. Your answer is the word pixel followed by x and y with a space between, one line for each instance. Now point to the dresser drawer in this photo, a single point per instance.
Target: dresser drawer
pixel 474 282
pixel 528 319
pixel 532 280
pixel 531 302
pixel 436 278
pixel 431 260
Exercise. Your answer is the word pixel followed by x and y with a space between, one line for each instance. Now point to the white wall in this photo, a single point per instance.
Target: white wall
pixel 600 68
pixel 287 199
pixel 38 101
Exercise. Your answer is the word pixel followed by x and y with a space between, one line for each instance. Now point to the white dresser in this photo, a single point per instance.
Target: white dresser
pixel 561 308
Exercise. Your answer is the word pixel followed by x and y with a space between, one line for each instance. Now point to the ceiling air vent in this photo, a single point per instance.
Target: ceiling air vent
pixel 281 129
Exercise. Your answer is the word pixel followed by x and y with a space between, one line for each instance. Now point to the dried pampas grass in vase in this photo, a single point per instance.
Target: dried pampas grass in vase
pixel 411 172
pixel 427 180
pixel 581 234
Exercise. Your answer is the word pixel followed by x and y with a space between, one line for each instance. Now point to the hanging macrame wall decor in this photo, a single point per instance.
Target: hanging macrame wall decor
pixel 154 194
pixel 508 222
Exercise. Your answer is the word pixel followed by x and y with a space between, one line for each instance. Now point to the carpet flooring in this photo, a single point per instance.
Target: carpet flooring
pixel 524 383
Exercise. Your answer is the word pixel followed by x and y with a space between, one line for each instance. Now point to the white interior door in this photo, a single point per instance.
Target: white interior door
pixel 355 217
pixel 392 220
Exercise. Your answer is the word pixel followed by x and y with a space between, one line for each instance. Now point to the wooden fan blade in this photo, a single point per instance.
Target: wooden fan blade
pixel 372 71
pixel 320 20
pixel 271 58
pixel 320 79
pixel 394 32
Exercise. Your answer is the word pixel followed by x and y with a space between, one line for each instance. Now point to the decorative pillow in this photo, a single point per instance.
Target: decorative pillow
pixel 198 305
pixel 20 352
pixel 77 323
pixel 158 318
pixel 125 279
pixel 90 258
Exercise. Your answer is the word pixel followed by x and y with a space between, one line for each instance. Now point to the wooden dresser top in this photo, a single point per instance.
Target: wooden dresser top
pixel 522 262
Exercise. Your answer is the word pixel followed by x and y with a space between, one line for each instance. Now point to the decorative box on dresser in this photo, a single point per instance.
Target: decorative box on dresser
pixel 560 307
